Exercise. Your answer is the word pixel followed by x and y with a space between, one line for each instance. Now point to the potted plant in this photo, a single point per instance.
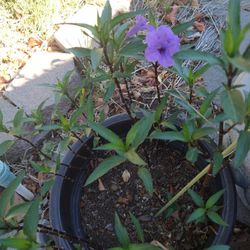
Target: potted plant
pixel 135 145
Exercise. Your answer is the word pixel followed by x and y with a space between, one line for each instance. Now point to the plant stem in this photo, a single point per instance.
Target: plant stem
pixel 221 134
pixel 190 95
pixel 34 146
pixel 157 82
pixel 109 64
pixel 127 86
pixel 227 152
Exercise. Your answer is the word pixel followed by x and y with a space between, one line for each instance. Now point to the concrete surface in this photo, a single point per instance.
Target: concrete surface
pixel 29 88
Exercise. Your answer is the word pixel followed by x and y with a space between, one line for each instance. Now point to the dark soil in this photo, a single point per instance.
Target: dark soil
pixel 170 171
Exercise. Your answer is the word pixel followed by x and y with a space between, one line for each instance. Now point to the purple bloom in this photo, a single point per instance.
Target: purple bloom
pixel 140 25
pixel 162 44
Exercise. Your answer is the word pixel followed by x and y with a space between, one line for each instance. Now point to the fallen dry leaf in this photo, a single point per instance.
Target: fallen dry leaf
pixel 100 185
pixel 124 200
pixel 34 41
pixel 126 175
pixel 171 17
pixel 195 3
pixel 3 80
pixel 200 26
pixel 199 16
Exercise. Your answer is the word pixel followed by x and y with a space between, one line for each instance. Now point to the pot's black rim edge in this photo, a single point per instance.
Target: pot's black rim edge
pixel 229 210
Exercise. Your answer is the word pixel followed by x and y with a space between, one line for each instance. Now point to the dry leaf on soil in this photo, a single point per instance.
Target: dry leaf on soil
pixel 101 187
pixel 171 17
pixel 200 26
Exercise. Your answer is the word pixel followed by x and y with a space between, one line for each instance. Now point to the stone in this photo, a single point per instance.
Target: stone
pixel 29 88
pixel 88 15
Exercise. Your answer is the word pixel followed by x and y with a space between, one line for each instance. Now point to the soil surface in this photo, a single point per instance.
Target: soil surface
pixel 170 171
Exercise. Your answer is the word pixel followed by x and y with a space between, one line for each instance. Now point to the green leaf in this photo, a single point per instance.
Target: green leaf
pixel 8 193
pixel 106 13
pixel 197 214
pixel 40 168
pixel 16 243
pixel 234 17
pixel 219 247
pixel 179 28
pixel 233 104
pixel 104 167
pixel 107 134
pixel 144 246
pixel 31 219
pixel 198 73
pixel 146 178
pixel 217 162
pixel 196 198
pixel 121 232
pixel 213 216
pixel 207 102
pixel 110 146
pixel 192 154
pixel 168 136
pixel 133 157
pixel 133 48
pixel 18 119
pixel 91 28
pixel 90 108
pixel 198 56
pixel 138 228
pixel 214 199
pixel 242 148
pixel 80 52
pixel 202 132
pixel 17 210
pixel 5 146
pixel 159 109
pixel 96 56
pixel 47 185
pixel 109 92
pixel 241 63
pixel 120 18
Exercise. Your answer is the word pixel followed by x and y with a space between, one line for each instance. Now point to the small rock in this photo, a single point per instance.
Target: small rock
pixel 109 227
pixel 114 187
pixel 145 218
pixel 237 230
pixel 126 175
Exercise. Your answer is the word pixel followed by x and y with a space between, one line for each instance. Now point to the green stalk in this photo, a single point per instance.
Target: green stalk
pixel 228 151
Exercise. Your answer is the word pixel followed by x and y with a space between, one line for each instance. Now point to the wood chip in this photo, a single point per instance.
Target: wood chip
pixel 126 175
pixel 101 187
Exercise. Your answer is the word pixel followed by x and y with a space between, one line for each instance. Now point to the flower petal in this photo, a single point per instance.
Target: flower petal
pixel 151 55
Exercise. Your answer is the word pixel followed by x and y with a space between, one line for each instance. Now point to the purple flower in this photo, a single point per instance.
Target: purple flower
pixel 162 44
pixel 140 25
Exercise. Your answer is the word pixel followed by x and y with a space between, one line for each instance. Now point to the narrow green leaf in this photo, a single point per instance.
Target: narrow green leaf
pixel 18 119
pixel 234 17
pixel 16 243
pixel 91 28
pixel 242 148
pixel 196 198
pixel 213 216
pixel 96 56
pixel 90 108
pixel 106 13
pixel 192 154
pixel 17 210
pixel 201 71
pixel 138 228
pixel 168 136
pixel 104 167
pixel 202 132
pixel 109 92
pixel 80 52
pixel 197 214
pixel 198 56
pixel 47 185
pixel 214 199
pixel 133 157
pixel 219 247
pixel 107 134
pixel 120 18
pixel 5 146
pixel 31 219
pixel 144 246
pixel 133 48
pixel 233 104
pixel 146 178
pixel 8 193
pixel 217 162
pixel 121 232
pixel 179 28
pixel 40 168
pixel 241 63
pixel 159 109
pixel 207 102
pixel 110 146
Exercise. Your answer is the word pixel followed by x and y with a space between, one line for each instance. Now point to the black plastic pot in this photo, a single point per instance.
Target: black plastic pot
pixel 66 192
